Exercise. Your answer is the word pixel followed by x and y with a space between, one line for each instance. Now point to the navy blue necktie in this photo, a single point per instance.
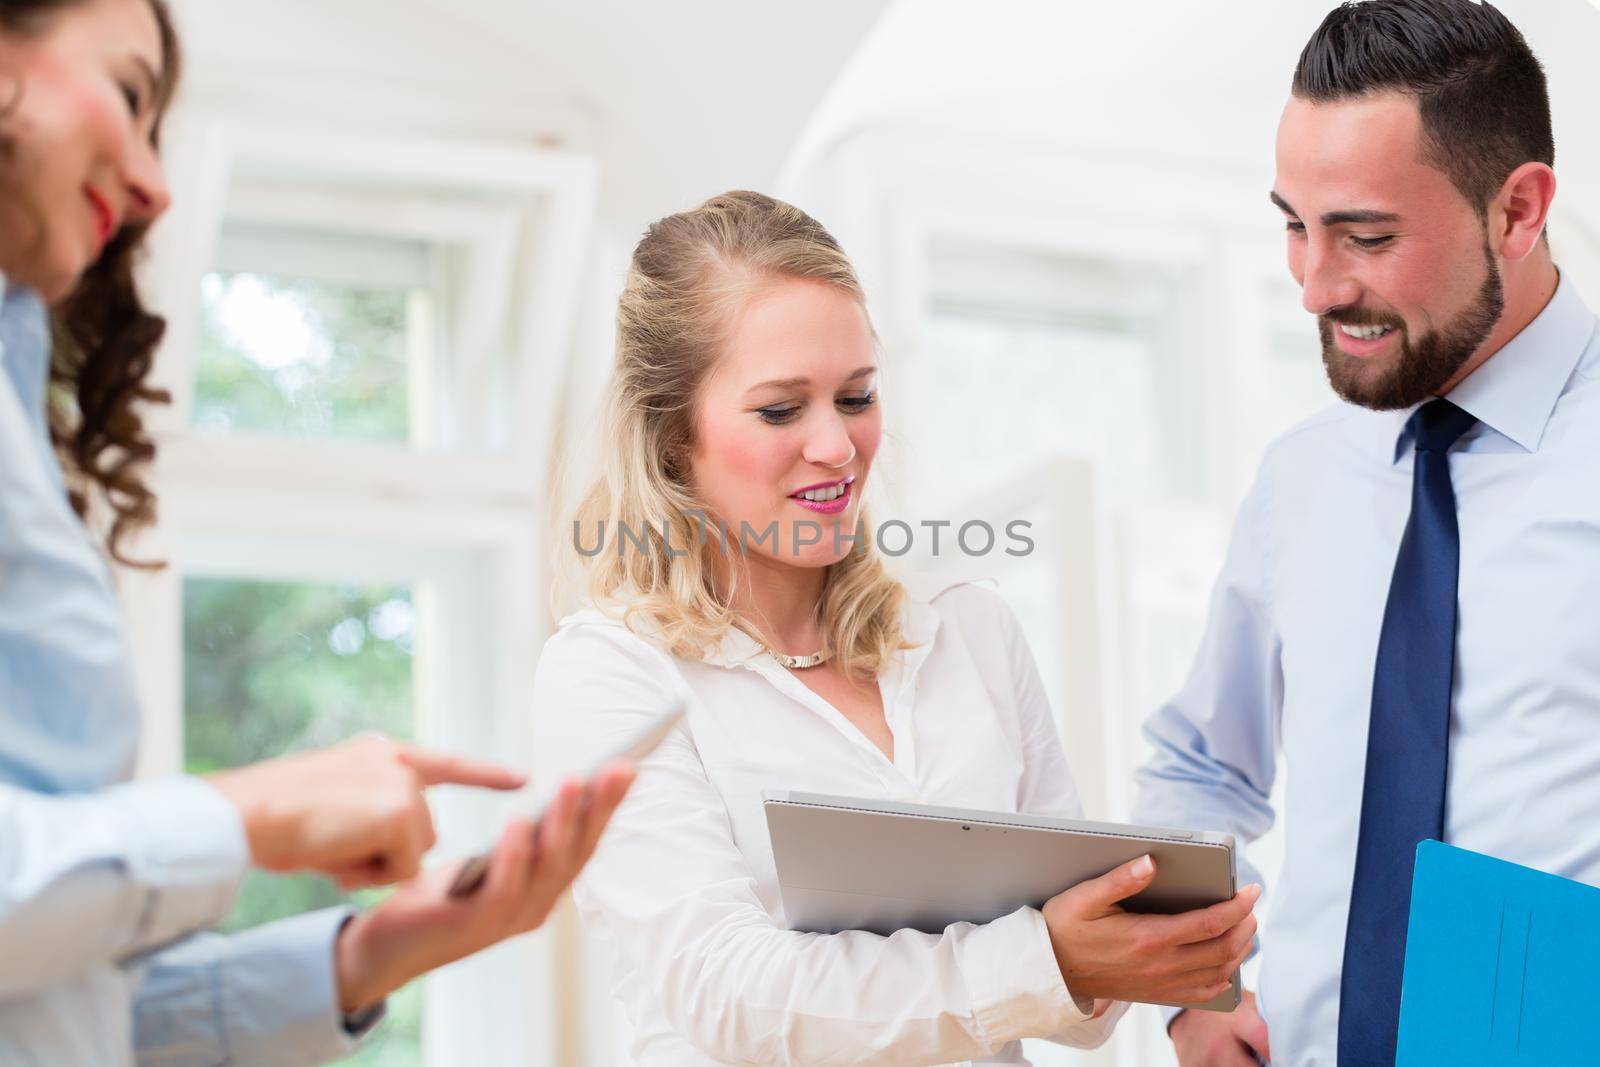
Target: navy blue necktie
pixel 1408 746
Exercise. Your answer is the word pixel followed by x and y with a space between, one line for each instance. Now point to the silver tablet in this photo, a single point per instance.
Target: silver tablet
pixel 847 863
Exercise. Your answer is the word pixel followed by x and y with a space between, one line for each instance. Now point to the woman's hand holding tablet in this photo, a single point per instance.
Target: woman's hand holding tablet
pixel 1108 953
pixel 1120 928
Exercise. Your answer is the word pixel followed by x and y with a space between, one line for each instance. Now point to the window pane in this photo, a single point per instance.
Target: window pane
pixel 1022 391
pixel 273 667
pixel 302 357
pixel 1031 355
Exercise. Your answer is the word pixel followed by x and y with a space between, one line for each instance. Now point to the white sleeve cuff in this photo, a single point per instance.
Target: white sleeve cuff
pixel 185 843
pixel 1015 982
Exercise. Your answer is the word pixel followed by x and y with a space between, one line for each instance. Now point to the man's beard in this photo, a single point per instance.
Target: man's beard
pixel 1423 367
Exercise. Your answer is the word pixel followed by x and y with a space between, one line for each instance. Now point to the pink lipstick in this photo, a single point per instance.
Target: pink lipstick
pixel 826 498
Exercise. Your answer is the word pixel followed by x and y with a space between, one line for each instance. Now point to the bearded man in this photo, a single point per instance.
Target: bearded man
pixel 1406 622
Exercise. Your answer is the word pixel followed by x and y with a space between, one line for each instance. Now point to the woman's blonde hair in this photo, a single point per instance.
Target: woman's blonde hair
pixel 688 277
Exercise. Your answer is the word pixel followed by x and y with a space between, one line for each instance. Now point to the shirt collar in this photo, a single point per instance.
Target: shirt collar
pixel 735 648
pixel 1515 391
pixel 920 619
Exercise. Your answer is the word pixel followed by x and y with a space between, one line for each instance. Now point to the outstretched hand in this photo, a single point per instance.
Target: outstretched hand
pixel 420 927
pixel 355 811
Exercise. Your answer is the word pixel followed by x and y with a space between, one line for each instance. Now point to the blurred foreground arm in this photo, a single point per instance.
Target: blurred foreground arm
pixel 280 994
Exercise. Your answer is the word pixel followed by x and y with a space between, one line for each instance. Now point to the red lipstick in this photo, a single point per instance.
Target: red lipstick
pixel 105 220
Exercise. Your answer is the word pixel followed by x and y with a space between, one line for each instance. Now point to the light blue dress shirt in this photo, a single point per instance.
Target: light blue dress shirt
pixel 104 882
pixel 1286 664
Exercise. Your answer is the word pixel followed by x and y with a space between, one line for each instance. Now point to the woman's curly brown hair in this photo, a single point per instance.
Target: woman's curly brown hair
pixel 104 344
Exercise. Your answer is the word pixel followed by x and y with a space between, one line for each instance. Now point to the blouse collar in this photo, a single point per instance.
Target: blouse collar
pixel 919 624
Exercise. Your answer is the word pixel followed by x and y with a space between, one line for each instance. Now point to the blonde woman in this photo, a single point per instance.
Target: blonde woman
pixel 721 572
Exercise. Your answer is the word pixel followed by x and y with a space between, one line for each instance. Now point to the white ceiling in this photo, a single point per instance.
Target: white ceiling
pixel 680 99
pixel 1160 80
pixel 683 98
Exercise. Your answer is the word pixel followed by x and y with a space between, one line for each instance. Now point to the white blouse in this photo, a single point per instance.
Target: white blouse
pixel 683 888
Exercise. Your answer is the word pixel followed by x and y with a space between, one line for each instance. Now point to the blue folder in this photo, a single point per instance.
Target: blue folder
pixel 1502 965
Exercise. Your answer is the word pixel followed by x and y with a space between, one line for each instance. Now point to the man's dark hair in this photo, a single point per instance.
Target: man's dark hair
pixel 1480 90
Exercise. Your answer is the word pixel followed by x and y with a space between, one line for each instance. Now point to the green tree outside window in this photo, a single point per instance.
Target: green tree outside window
pixel 274 667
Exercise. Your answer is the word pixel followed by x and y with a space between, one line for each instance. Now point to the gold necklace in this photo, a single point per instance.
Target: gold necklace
pixel 798 663
pixel 794 663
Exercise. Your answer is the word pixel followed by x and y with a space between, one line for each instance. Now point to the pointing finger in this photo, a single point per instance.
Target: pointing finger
pixel 444 768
